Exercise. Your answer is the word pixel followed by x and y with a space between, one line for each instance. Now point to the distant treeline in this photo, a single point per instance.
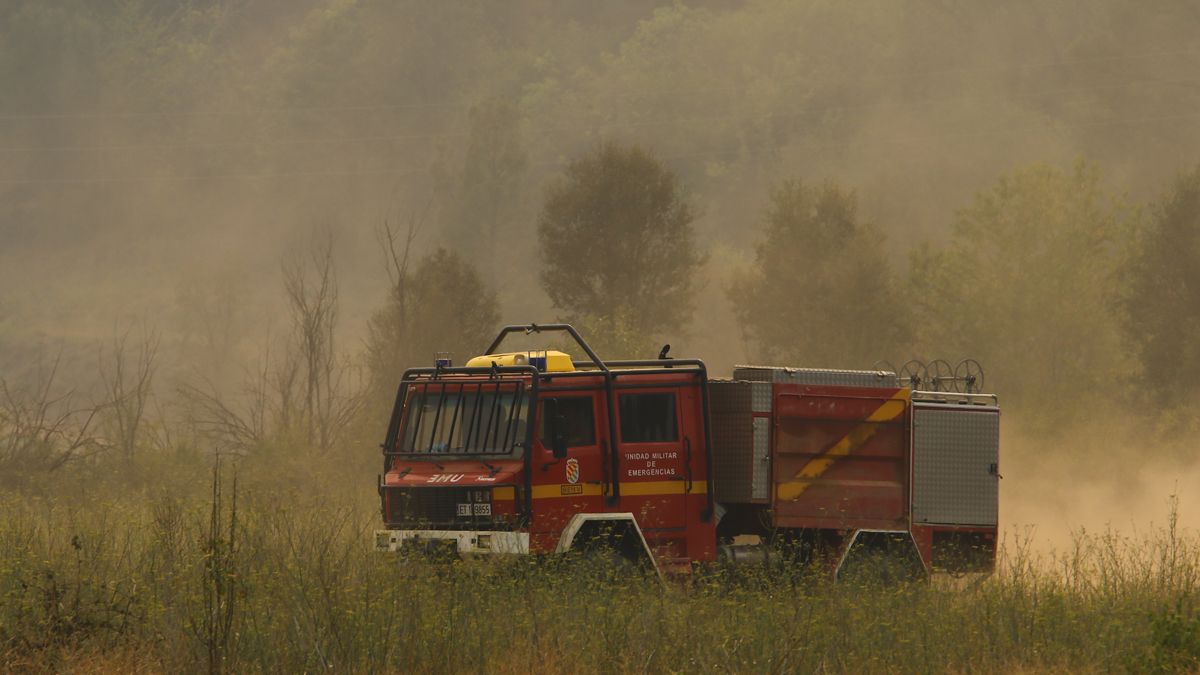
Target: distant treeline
pixel 264 211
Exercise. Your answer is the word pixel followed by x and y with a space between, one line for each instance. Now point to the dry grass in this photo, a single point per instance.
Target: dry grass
pixel 156 580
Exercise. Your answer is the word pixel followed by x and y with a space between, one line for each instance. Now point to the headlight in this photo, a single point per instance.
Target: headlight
pixel 383 540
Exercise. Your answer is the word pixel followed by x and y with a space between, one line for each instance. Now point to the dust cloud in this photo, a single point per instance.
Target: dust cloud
pixel 159 161
pixel 1086 480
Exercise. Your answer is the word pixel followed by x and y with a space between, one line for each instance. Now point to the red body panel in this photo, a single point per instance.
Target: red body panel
pixel 841 458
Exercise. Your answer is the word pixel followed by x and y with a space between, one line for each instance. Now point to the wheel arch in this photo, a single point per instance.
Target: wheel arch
pixel 619 529
pixel 895 541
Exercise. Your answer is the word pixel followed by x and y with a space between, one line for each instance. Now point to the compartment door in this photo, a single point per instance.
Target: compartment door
pixel 956 455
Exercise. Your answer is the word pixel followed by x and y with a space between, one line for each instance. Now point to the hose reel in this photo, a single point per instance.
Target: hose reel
pixel 938 375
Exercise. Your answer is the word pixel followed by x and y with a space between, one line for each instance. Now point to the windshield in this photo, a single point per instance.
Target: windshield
pixel 465 418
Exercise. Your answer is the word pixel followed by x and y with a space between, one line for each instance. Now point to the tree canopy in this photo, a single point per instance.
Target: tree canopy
pixel 480 201
pixel 440 306
pixel 1026 285
pixel 821 291
pixel 618 250
pixel 1162 297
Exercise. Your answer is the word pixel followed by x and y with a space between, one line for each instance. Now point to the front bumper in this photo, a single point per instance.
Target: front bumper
pixel 463 541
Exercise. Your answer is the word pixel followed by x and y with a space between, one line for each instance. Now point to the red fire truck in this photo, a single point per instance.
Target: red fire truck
pixel 536 452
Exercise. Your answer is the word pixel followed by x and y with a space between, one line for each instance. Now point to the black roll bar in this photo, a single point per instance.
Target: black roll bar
pixel 547 328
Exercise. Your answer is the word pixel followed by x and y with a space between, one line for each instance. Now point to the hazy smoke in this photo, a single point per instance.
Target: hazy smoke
pixel 157 160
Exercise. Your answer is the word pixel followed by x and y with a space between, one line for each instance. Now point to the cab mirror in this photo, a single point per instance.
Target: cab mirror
pixel 556 425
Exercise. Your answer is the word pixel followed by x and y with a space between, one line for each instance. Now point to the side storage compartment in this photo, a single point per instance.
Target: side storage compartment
pixel 841 458
pixel 741 433
pixel 956 455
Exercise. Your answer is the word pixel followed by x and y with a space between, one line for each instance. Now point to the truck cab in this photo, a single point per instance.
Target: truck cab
pixel 534 452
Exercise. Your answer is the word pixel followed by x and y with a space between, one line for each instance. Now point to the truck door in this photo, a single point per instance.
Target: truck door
pixel 653 456
pixel 573 484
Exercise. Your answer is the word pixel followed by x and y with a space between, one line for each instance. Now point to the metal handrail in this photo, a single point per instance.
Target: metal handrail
pixel 954 397
pixel 549 327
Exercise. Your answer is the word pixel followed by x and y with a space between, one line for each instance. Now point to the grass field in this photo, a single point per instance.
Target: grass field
pixel 173 571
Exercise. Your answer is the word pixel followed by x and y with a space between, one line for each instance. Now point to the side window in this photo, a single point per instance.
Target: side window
pixel 648 418
pixel 579 418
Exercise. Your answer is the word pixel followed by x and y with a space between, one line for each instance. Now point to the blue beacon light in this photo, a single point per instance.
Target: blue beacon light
pixel 538 362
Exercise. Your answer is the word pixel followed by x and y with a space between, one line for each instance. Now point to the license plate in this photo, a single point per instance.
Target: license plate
pixel 474 509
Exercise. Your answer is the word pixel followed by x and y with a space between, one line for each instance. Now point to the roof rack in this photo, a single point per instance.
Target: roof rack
pixel 951 397
pixel 816 376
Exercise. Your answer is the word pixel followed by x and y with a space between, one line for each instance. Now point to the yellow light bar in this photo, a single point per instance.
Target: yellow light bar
pixel 556 362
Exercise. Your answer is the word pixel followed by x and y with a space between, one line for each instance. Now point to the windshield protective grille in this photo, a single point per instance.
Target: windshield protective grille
pixel 465 418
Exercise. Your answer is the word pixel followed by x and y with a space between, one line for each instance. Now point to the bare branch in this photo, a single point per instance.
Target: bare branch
pixel 40 431
pixel 213 417
pixel 127 388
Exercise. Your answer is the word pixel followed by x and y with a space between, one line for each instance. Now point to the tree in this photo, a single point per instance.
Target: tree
pixel 128 377
pixel 618 250
pixel 1026 286
pixel 328 401
pixel 484 196
pixel 308 393
pixel 439 306
pixel 821 291
pixel 41 428
pixel 1162 299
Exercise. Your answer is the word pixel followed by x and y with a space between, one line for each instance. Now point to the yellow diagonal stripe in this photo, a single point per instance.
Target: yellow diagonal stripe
pixel 890 410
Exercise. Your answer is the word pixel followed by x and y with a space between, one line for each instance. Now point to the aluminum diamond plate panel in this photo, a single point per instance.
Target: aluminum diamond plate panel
pixel 955 459
pixel 816 376
pixel 762 458
pixel 760 397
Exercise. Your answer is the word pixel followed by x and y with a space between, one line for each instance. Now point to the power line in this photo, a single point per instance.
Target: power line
pixel 247 112
pixel 390 138
pixel 249 176
pixel 665 121
pixel 960 135
pixel 753 151
pixel 278 110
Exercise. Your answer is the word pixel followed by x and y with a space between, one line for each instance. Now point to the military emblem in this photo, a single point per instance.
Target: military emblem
pixel 572 471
